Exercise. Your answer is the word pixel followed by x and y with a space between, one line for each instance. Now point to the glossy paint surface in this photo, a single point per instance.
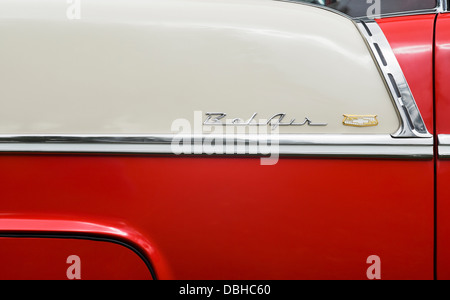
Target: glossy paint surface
pixel 413 49
pixel 443 127
pixel 231 218
pixel 136 66
pixel 51 259
pixel 442 74
pixel 411 38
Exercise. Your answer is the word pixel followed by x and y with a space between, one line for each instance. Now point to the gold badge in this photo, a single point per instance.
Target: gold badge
pixel 360 120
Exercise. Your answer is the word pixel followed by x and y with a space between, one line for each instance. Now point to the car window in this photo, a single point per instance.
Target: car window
pixel 360 8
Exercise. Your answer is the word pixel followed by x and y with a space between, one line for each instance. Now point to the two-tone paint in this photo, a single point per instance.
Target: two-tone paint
pixel 361 193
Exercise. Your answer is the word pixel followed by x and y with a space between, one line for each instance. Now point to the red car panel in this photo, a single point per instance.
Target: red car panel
pixel 302 218
pixel 442 74
pixel 57 258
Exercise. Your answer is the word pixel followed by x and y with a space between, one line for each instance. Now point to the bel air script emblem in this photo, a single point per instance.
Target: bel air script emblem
pixel 215 119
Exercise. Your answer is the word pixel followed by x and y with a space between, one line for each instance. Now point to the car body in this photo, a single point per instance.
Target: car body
pixel 223 139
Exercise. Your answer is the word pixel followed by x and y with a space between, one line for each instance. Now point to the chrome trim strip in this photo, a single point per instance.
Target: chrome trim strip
pixel 441 7
pixel 324 145
pixel 412 122
pixel 429 11
pixel 444 146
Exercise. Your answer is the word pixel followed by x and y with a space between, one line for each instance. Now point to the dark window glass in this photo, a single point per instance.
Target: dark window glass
pixel 361 8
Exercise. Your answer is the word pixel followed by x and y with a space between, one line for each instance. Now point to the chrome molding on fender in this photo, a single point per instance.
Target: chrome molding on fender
pixel 442 6
pixel 324 145
pixel 412 122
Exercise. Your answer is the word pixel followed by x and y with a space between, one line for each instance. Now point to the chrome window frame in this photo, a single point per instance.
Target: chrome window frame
pixel 411 141
pixel 441 7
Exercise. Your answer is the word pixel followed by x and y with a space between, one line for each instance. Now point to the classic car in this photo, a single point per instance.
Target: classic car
pixel 224 139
